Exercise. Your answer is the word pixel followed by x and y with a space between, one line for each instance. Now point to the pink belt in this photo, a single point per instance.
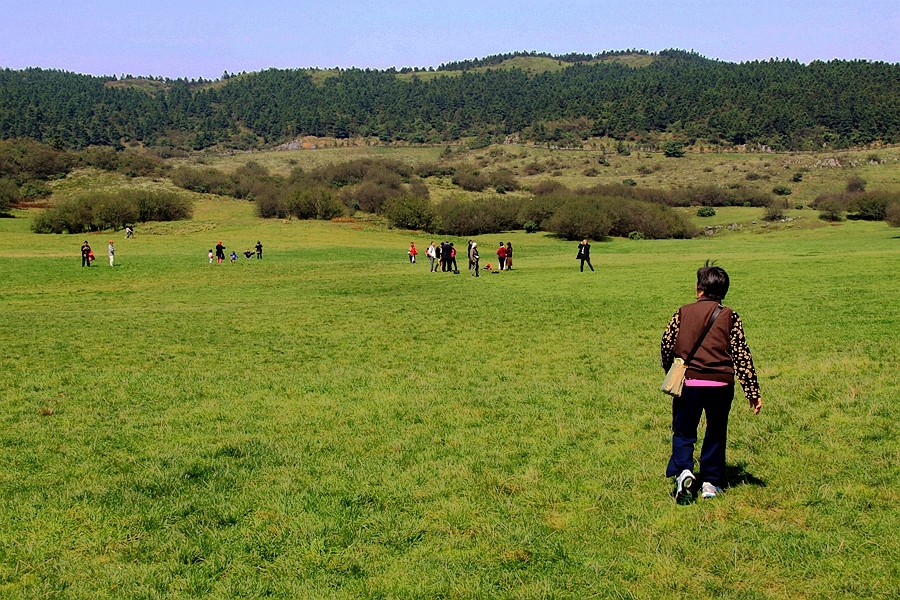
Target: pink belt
pixel 703 383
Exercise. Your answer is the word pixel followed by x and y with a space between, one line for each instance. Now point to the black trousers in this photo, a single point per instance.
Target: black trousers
pixel 588 261
pixel 686 411
pixel 85 261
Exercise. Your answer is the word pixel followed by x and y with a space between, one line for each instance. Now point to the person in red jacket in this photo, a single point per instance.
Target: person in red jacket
pixel 412 252
pixel 501 256
pixel 722 357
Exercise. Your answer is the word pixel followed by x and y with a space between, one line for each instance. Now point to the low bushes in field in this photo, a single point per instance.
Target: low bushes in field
pixel 129 162
pixel 831 207
pixel 9 195
pixel 872 206
pixel 472 181
pixel 892 214
pixel 426 170
pixel 314 203
pixel 456 216
pixel 867 206
pixel 775 209
pixel 781 190
pixel 579 218
pixel 241 184
pixel 95 212
pixel 410 212
pixel 323 193
pixel 572 215
pixel 694 196
pixel 25 160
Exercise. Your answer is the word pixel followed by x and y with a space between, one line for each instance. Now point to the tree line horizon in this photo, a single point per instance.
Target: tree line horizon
pixel 679 95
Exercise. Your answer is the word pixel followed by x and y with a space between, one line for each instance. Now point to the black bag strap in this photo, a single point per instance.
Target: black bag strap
pixel 709 324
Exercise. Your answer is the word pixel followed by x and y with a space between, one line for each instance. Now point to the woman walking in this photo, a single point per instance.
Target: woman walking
pixel 584 254
pixel 220 252
pixel 712 337
pixel 412 252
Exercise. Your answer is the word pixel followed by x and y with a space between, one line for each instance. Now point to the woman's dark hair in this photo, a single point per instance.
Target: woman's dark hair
pixel 712 281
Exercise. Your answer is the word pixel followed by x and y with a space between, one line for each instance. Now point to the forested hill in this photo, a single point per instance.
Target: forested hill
pixel 780 103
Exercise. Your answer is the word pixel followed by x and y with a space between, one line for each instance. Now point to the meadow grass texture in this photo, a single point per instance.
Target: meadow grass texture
pixel 333 422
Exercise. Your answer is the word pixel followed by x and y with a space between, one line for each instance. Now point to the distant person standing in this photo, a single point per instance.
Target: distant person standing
pixel 111 250
pixel 85 254
pixel 584 254
pixel 501 256
pixel 258 249
pixel 473 260
pixel 412 252
pixel 430 253
pixel 509 256
pixel 451 265
pixel 439 256
pixel 220 252
pixel 210 255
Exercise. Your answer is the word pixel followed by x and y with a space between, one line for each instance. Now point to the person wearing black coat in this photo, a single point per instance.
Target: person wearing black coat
pixel 584 255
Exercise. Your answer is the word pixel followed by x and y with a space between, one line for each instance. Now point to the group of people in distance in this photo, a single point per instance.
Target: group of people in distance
pixel 220 253
pixel 442 257
pixel 87 254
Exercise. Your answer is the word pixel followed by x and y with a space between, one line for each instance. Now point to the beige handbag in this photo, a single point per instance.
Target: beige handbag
pixel 673 384
pixel 674 381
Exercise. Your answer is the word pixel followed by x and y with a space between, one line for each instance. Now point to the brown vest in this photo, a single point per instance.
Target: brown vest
pixel 713 359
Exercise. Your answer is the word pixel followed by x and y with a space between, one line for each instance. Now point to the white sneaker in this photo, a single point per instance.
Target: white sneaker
pixel 684 487
pixel 709 490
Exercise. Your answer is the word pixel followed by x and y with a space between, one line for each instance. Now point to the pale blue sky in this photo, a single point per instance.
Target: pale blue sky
pixel 194 38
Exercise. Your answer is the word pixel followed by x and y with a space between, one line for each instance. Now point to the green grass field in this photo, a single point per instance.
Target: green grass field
pixel 333 422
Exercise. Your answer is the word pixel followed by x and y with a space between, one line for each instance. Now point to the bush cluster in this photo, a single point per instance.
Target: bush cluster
pixel 572 215
pixel 472 181
pixel 130 163
pixel 25 160
pixel 411 212
pixel 9 195
pixel 246 183
pixel 868 206
pixel 96 212
pixel 324 193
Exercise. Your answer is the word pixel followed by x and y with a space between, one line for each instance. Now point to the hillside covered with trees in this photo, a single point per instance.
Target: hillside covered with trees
pixel 677 95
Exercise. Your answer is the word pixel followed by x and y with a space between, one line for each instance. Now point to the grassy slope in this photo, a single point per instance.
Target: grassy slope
pixel 821 172
pixel 332 422
pixel 532 65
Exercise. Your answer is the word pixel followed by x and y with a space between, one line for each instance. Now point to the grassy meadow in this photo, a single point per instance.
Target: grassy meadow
pixel 333 422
